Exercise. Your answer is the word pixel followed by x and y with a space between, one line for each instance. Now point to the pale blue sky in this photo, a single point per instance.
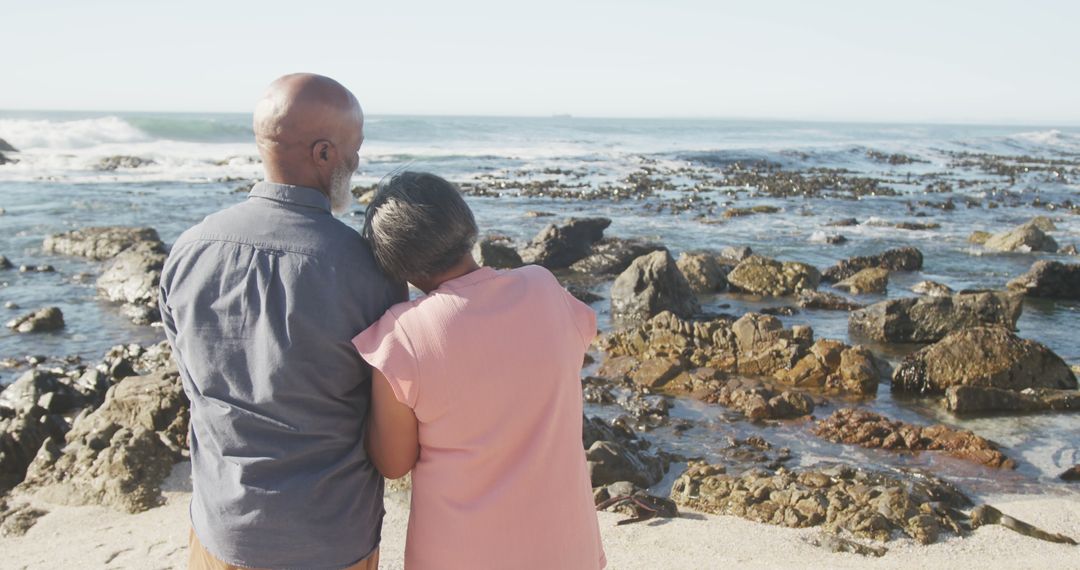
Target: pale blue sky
pixel 937 61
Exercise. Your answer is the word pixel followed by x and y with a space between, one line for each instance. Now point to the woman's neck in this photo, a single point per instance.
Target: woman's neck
pixel 464 267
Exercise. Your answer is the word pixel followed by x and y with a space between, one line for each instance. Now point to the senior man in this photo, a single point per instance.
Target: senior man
pixel 260 301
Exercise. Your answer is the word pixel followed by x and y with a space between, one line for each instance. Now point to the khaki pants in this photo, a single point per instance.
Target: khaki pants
pixel 200 559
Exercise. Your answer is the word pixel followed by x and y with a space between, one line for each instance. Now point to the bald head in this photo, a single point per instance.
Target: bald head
pixel 309 129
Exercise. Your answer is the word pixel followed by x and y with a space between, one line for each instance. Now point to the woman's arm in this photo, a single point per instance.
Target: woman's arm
pixel 392 441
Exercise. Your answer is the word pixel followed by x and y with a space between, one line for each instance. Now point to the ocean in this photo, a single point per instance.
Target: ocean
pixel 569 166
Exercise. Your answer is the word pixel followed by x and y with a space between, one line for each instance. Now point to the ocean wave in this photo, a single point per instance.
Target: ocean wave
pixel 27 134
pixel 1050 139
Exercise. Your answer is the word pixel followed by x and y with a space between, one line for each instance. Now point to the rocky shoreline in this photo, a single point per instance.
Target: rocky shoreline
pixel 109 433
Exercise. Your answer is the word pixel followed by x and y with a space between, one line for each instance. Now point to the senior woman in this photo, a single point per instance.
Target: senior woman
pixel 476 389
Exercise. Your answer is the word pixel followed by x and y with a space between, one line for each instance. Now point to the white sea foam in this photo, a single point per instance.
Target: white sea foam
pixel 27 134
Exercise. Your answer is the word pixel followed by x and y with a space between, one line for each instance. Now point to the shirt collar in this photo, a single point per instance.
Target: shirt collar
pixel 288 194
pixel 472 278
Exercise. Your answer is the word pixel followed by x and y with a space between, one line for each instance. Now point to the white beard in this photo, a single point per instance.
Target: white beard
pixel 340 194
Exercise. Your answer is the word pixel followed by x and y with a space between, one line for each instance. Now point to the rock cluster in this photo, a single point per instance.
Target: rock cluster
pixel 131 277
pixel 898 259
pixel 865 428
pixel 865 503
pixel 660 350
pixel 928 319
pixel 119 454
pixel 36 408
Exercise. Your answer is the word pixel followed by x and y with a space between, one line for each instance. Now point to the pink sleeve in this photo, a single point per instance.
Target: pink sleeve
pixel 584 319
pixel 386 347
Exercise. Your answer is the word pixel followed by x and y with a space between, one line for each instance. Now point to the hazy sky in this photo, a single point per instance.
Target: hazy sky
pixel 954 61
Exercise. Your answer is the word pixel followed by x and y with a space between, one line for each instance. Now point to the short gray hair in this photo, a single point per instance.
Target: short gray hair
pixel 418 226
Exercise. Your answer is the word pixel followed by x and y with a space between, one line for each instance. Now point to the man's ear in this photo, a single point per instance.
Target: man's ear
pixel 322 151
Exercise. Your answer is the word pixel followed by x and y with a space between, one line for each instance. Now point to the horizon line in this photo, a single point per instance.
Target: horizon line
pixel 975 122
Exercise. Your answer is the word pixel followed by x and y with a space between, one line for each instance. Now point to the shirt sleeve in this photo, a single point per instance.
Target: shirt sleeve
pixel 584 318
pixel 386 347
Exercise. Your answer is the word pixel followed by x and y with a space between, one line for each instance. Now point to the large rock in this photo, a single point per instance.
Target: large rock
pixel 706 272
pixel 98 243
pixel 6 146
pixel 557 247
pixel 118 455
pixel 652 284
pixel 869 280
pixel 496 253
pixel 987 357
pixel 5 263
pixel 928 319
pixel 1024 238
pixel 132 278
pixel 763 276
pixel 611 256
pixel 43 320
pixel 898 259
pixel 1051 279
pixel 865 428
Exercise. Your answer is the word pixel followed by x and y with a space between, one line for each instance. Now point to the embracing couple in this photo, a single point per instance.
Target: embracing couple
pixel 312 375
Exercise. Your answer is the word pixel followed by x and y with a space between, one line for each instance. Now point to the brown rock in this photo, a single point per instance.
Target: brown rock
pixel 869 280
pixel 865 428
pixel 655 373
pixel 763 276
pixel 822 300
pixel 704 271
pixel 928 319
pixel 898 259
pixel 1023 238
pixel 651 285
pixel 988 357
pixel 1051 279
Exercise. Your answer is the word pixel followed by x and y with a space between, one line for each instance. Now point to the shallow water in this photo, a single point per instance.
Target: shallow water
pixel 201 159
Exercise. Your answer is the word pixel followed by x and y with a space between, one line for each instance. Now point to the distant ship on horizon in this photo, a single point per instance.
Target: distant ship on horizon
pixel 562 116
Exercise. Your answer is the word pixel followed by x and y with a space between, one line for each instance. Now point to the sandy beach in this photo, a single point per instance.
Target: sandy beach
pixel 96 537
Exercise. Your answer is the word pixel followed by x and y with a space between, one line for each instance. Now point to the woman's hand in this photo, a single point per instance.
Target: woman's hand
pixel 392 441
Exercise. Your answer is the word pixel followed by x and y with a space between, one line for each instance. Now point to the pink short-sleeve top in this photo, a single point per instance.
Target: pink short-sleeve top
pixel 490 363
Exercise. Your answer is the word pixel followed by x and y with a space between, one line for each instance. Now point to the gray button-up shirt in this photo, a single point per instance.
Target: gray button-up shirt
pixel 260 302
